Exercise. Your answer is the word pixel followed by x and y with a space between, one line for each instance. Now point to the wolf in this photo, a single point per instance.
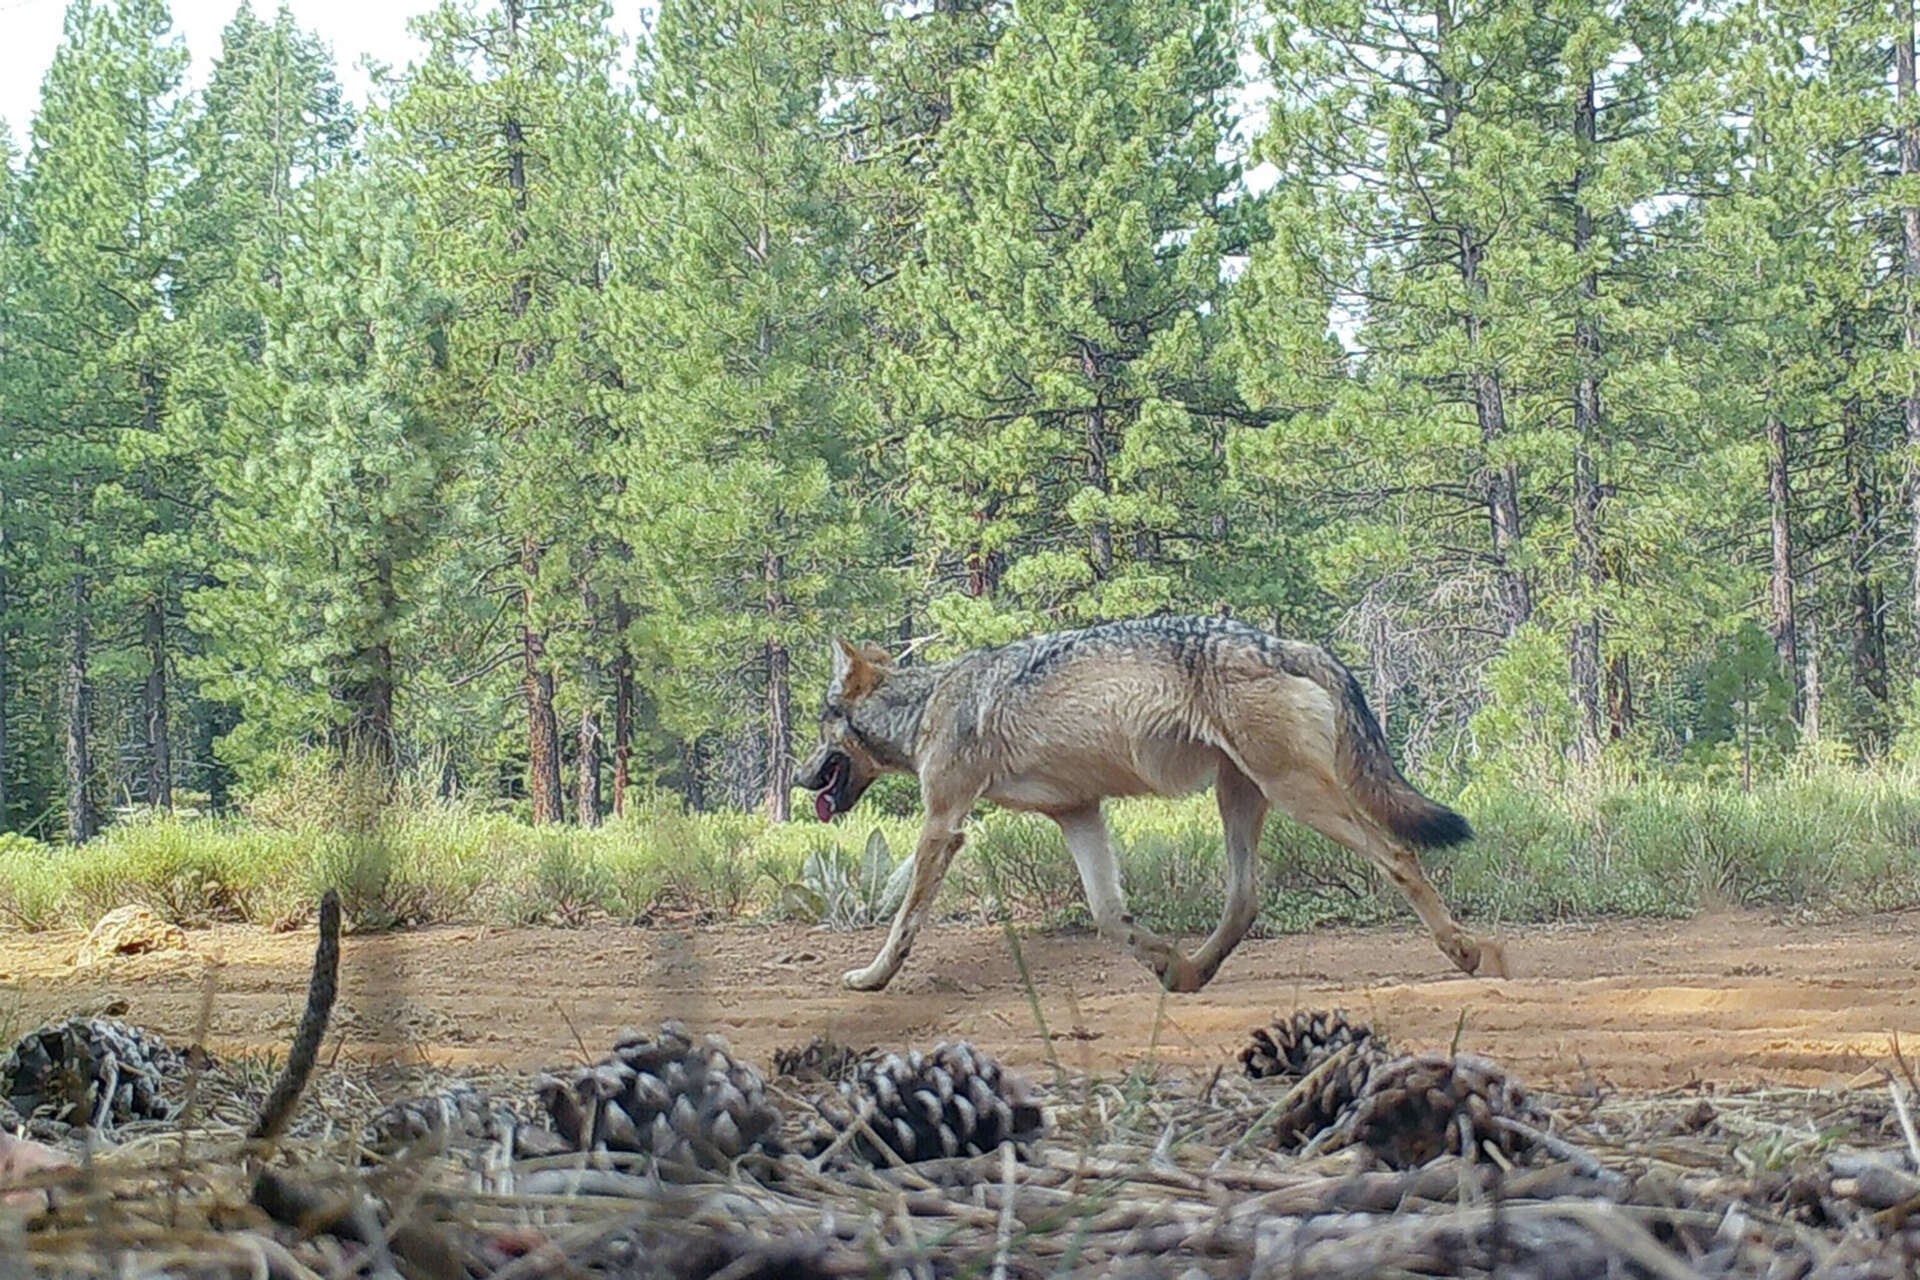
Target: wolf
pixel 1057 724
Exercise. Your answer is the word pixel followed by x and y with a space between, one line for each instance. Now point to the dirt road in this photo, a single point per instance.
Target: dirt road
pixel 1733 999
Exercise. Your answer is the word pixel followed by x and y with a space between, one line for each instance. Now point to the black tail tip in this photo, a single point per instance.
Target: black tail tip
pixel 1435 827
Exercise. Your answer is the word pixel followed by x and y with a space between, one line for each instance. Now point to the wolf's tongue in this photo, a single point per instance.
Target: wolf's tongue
pixel 823 806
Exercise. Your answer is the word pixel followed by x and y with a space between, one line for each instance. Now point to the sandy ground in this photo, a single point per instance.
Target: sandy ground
pixel 1731 999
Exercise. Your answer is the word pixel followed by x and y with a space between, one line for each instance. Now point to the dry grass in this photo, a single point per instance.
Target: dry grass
pixel 1150 1175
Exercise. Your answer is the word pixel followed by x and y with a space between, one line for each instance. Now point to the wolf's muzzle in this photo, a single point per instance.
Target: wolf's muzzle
pixel 830 778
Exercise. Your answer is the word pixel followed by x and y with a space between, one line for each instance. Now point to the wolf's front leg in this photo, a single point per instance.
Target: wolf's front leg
pixel 1086 835
pixel 939 841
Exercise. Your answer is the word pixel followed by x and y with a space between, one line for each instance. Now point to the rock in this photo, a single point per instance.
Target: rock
pixel 128 931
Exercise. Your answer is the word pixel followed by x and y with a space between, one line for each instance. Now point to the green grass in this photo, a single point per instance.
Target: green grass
pixel 1832 840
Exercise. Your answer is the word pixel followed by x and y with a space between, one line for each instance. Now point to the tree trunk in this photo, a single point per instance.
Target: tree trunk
pixel 983 566
pixel 543 730
pixel 905 634
pixel 1620 710
pixel 82 820
pixel 1501 489
pixel 1910 298
pixel 622 708
pixel 1587 428
pixel 1502 496
pixel 586 777
pixel 779 734
pixel 153 706
pixel 213 721
pixel 1100 544
pixel 586 790
pixel 6 638
pixel 1585 644
pixel 1810 718
pixel 1780 583
pixel 779 703
pixel 693 768
pixel 1382 691
pixel 1219 527
pixel 1866 617
pixel 369 698
pixel 153 695
pixel 369 693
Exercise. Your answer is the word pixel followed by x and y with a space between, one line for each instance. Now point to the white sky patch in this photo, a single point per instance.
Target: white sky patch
pixel 356 29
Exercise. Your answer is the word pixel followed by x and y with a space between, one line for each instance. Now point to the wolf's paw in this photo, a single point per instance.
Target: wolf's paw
pixel 1181 976
pixel 1492 960
pixel 871 978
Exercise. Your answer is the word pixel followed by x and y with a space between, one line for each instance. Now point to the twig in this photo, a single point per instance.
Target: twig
pixel 1898 1091
pixel 274 1258
pixel 1003 1246
pixel 322 987
pixel 1561 1149
pixel 189 1114
pixel 586 1055
pixel 1301 1088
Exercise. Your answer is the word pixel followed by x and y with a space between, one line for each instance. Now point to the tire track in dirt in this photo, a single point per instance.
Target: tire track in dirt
pixel 1743 998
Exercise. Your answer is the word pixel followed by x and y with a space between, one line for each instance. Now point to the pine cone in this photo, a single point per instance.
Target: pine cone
pixel 1412 1108
pixel 1294 1045
pixel 662 1247
pixel 681 1101
pixel 1331 1085
pixel 954 1101
pixel 822 1058
pixel 90 1071
pixel 458 1117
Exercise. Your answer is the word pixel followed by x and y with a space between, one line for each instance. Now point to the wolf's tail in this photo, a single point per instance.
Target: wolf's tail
pixel 1371 776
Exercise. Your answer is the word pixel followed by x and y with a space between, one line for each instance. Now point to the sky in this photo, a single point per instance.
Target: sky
pixel 30 30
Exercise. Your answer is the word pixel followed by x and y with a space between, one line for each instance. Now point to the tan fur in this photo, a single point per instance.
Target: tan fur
pixel 1059 724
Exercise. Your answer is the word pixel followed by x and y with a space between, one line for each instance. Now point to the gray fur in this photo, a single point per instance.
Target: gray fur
pixel 1058 723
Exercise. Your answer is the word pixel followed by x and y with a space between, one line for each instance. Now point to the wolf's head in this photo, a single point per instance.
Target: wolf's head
pixel 856 740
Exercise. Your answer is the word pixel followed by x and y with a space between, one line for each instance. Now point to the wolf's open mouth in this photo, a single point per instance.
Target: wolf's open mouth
pixel 826 799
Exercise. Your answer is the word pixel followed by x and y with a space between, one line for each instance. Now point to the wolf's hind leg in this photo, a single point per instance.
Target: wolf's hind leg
pixel 1243 811
pixel 940 839
pixel 1086 835
pixel 1320 804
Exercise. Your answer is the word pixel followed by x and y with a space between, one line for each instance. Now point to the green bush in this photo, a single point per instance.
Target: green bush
pixel 1821 837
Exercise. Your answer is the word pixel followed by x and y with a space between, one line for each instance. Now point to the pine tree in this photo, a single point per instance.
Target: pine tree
pixel 504 128
pixel 1390 313
pixel 272 118
pixel 745 317
pixel 1797 241
pixel 13 269
pixel 333 512
pixel 103 343
pixel 1066 419
pixel 1463 192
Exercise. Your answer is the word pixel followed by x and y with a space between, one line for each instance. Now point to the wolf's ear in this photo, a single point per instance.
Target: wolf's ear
pixel 876 655
pixel 854 674
pixel 844 657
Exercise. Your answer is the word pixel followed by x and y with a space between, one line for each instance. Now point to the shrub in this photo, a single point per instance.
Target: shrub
pixel 1821 837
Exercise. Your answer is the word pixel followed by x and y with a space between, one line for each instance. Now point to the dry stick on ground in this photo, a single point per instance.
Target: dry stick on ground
pixel 196 1070
pixel 283 1199
pixel 1561 1149
pixel 1003 1245
pixel 1302 1088
pixel 1900 1101
pixel 322 987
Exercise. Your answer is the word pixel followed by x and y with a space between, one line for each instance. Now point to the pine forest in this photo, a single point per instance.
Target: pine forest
pixel 518 435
